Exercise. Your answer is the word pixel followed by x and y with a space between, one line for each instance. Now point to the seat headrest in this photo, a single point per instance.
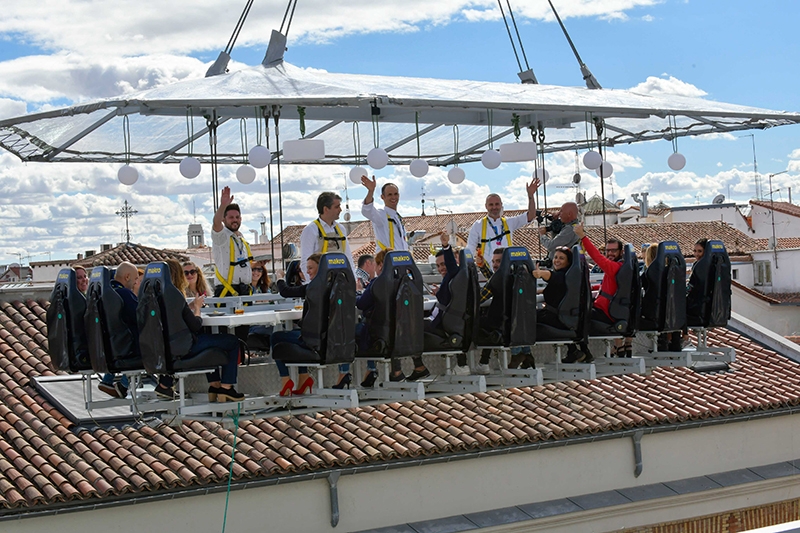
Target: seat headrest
pixel 465 259
pixel 293 273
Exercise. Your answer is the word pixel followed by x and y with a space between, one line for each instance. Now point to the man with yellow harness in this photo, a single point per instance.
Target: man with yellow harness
pixel 496 231
pixel 324 234
pixel 231 252
pixel 387 224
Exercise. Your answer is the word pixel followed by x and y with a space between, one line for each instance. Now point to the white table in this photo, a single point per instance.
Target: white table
pixel 250 317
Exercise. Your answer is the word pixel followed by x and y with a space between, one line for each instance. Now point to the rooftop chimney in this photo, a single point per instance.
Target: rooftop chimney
pixel 89 253
pixel 105 247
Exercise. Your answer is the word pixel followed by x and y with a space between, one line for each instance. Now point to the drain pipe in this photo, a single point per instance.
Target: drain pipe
pixel 333 479
pixel 637 452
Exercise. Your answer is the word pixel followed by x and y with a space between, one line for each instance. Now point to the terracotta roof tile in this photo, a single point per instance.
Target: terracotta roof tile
pixel 137 254
pixel 780 207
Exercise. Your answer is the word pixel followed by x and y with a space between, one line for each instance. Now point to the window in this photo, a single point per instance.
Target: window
pixel 763 272
pixel 735 274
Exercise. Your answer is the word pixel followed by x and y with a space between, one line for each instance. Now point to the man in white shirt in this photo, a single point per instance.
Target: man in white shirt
pixel 231 252
pixel 494 230
pixel 387 224
pixel 325 234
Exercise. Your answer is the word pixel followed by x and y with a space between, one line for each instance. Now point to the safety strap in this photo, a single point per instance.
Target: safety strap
pixel 325 238
pixel 392 223
pixel 506 233
pixel 227 284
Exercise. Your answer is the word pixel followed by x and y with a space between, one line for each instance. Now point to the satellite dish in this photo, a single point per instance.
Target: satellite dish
pixel 579 199
pixel 718 199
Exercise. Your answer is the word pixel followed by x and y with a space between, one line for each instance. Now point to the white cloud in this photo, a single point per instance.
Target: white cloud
pixel 795 154
pixel 12 108
pixel 648 18
pixel 670 85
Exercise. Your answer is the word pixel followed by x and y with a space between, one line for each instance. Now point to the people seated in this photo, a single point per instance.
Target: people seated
pixel 365 302
pixel 66 335
pixel 221 387
pixel 125 281
pixel 259 334
pixel 553 294
pixel 521 356
pixel 708 294
pixel 294 335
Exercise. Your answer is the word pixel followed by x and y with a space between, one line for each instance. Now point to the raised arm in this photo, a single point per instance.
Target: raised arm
pixel 225 200
pixel 531 188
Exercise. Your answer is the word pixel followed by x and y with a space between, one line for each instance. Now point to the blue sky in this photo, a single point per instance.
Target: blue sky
pixel 734 51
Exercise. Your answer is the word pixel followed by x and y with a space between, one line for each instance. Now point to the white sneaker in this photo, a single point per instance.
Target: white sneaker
pixel 461 370
pixel 483 369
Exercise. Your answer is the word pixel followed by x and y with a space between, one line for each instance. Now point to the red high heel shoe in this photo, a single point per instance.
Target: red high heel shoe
pixel 305 386
pixel 287 388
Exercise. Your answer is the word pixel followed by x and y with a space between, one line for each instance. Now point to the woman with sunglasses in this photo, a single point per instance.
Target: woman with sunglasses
pixel 260 277
pixel 258 335
pixel 195 279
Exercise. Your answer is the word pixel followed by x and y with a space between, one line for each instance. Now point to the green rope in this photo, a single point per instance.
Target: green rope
pixel 233 460
pixel 301 111
pixel 515 123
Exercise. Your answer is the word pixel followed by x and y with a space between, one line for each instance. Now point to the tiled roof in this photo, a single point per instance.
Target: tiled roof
pixel 45 461
pixel 420 252
pixel 784 243
pixel 594 206
pixel 752 292
pixel 780 207
pixel 134 253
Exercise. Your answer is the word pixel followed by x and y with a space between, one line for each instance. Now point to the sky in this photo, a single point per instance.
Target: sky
pixel 55 53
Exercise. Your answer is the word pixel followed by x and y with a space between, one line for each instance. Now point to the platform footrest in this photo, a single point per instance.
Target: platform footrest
pixel 673 359
pixel 394 391
pixel 529 377
pixel 611 366
pixel 718 354
pixel 457 384
pixel 568 372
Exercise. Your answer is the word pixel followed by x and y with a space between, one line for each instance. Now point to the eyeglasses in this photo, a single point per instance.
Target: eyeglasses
pixel 191 272
pixel 612 250
pixel 258 269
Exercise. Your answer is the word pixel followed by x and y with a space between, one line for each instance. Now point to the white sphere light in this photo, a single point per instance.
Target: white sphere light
pixel 347 217
pixel 356 173
pixel 245 174
pixel 542 174
pixel 606 168
pixel 676 161
pixel 491 159
pixel 190 167
pixel 592 160
pixel 127 175
pixel 377 158
pixel 259 156
pixel 456 175
pixel 418 168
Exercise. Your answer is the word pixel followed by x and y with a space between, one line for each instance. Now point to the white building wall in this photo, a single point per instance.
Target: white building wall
pixel 727 213
pixel 743 272
pixel 781 319
pixel 597 220
pixel 785 274
pixel 47 273
pixel 785 225
pixel 389 497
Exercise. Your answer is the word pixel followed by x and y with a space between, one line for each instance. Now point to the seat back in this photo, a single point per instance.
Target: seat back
pixel 66 335
pixel 664 297
pixel 460 315
pixel 164 336
pixel 576 305
pixel 708 302
pixel 112 346
pixel 625 305
pixel 513 307
pixel 395 326
pixel 293 273
pixel 330 317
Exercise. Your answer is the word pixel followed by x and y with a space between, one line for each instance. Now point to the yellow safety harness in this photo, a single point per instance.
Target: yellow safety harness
pixel 506 232
pixel 325 238
pixel 228 284
pixel 391 235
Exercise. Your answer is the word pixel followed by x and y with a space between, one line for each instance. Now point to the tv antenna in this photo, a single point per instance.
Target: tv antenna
pixel 422 195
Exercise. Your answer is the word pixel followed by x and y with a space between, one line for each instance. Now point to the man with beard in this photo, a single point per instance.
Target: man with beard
pixel 231 252
pixel 494 230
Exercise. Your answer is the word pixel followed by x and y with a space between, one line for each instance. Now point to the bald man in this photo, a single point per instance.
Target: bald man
pixel 494 230
pixel 125 279
pixel 568 214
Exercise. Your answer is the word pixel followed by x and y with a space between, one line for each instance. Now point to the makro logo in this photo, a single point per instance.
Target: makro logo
pixel 671 247
pixel 467 254
pixel 717 247
pixel 399 258
pixel 96 275
pixel 154 270
pixel 63 275
pixel 519 253
pixel 334 261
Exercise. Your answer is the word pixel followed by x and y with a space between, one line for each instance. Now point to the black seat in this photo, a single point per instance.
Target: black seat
pixel 459 317
pixel 164 337
pixel 664 283
pixel 293 274
pixel 66 336
pixel 111 345
pixel 624 306
pixel 329 317
pixel 395 325
pixel 708 302
pixel 574 308
pixel 512 312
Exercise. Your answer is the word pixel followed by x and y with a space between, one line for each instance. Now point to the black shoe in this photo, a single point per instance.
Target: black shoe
pixel 587 357
pixel 109 389
pixel 370 379
pixel 397 377
pixel 418 374
pixel 528 361
pixel 516 360
pixel 574 356
pixel 229 395
pixel 122 390
pixel 344 382
pixel 164 393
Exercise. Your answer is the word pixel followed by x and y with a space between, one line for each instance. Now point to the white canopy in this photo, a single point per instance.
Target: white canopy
pixel 161 127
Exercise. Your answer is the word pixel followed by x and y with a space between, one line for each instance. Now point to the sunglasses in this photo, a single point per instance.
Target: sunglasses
pixel 190 272
pixel 258 269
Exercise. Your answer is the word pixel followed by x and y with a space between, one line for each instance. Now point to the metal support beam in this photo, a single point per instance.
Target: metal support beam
pixel 80 135
pixel 411 137
pixel 193 138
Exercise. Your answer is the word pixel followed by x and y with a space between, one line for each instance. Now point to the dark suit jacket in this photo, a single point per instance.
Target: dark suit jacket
pixel 443 295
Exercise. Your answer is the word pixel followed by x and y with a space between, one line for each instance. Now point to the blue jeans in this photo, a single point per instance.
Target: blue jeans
pixel 521 349
pixel 108 379
pixel 292 337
